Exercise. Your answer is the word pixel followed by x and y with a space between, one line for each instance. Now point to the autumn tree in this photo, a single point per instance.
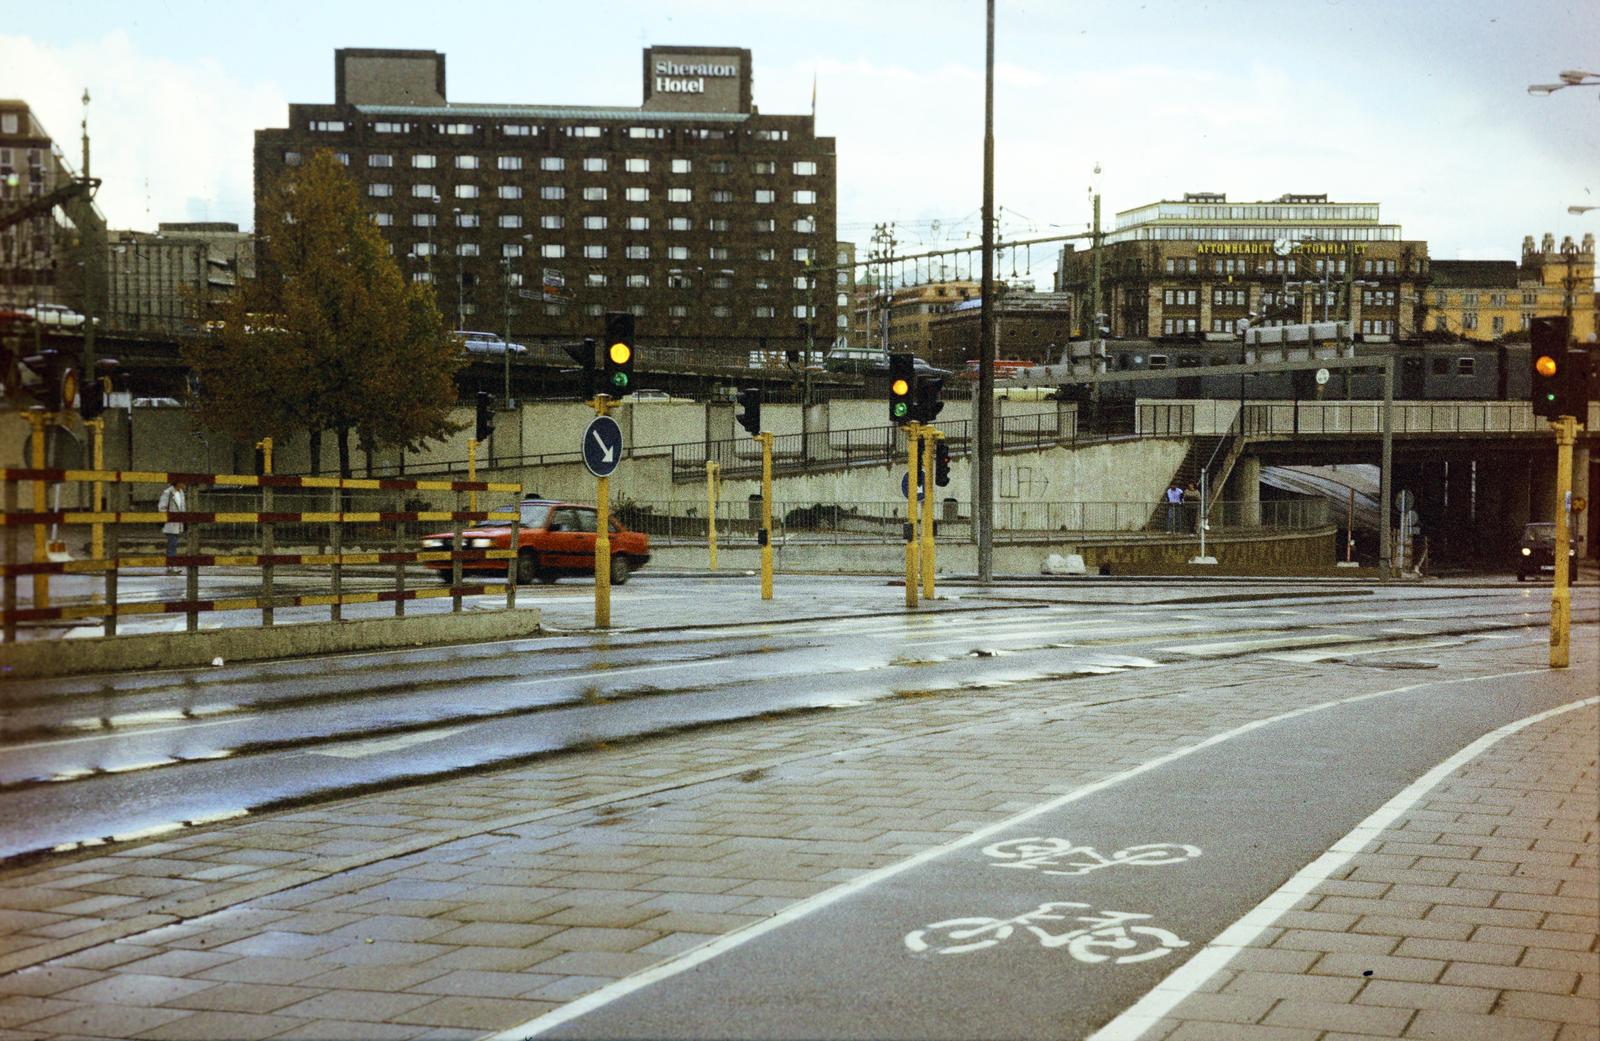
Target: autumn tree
pixel 330 336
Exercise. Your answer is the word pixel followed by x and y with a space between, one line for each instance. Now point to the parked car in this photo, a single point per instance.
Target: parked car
pixel 489 344
pixel 1537 552
pixel 55 314
pixel 555 539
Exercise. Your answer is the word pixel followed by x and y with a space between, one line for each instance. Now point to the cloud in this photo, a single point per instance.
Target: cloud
pixel 170 140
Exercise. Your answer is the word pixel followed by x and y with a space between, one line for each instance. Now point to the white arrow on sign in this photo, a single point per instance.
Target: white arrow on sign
pixel 609 450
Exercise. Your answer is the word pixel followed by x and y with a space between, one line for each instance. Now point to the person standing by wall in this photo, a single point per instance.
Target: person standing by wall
pixel 1174 506
pixel 174 499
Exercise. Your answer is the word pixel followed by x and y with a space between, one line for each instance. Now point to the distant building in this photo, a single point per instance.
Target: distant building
pixel 1496 299
pixel 31 251
pixel 1032 327
pixel 1201 267
pixel 694 211
pixel 160 282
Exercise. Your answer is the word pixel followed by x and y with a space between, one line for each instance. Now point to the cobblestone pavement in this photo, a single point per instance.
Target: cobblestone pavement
pixel 467 906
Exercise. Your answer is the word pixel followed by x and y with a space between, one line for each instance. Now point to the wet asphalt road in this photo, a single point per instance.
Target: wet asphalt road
pixel 88 759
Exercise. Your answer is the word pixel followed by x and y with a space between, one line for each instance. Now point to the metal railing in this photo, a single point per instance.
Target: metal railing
pixel 685 522
pixel 1410 417
pixel 332 525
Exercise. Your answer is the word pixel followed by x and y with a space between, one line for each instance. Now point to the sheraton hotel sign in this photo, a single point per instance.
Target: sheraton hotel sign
pixel 697 79
pixel 674 78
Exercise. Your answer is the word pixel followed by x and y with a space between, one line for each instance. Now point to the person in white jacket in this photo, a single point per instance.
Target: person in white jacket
pixel 174 499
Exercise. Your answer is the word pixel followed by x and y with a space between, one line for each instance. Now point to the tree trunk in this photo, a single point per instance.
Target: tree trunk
pixel 316 451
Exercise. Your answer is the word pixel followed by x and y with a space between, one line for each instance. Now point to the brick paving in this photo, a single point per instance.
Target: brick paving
pixel 463 907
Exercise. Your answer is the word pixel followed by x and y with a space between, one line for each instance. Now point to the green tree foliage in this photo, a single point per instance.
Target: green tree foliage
pixel 330 336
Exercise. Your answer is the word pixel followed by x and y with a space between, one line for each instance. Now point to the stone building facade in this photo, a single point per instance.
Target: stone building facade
pixel 1499 299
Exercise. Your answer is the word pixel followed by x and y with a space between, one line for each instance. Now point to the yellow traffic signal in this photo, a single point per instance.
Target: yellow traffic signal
pixel 899 388
pixel 620 353
pixel 1546 365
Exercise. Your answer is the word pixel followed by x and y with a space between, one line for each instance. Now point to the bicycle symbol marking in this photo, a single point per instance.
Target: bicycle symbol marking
pixel 1095 940
pixel 1062 857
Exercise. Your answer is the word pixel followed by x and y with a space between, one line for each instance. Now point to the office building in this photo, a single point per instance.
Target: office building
pixel 160 282
pixel 710 221
pixel 30 251
pixel 1499 299
pixel 1202 267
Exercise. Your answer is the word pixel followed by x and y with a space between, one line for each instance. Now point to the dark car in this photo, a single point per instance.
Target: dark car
pixel 554 539
pixel 1536 555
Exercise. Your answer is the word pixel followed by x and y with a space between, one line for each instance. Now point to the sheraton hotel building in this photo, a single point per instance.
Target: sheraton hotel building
pixel 695 212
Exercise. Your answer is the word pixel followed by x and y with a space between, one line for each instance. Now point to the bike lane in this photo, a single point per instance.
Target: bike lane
pixel 1052 923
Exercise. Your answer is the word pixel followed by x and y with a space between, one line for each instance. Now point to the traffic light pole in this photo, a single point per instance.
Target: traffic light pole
pixel 765 437
pixel 1566 429
pixel 929 436
pixel 602 534
pixel 914 445
pixel 472 472
pixel 713 482
pixel 39 420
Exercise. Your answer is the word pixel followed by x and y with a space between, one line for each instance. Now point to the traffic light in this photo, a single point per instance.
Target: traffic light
pixel 1578 387
pixel 1548 356
pixel 902 382
pixel 485 415
pixel 619 353
pixel 92 395
pixel 927 405
pixel 750 417
pixel 55 384
pixel 941 462
pixel 583 354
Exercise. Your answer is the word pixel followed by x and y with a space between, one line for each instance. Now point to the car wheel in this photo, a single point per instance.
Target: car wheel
pixel 444 575
pixel 619 570
pixel 527 568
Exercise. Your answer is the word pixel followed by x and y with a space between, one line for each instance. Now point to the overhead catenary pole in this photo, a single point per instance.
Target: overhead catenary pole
pixel 1386 474
pixel 983 515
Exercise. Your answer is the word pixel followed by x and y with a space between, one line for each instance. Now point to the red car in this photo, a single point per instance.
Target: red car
pixel 554 539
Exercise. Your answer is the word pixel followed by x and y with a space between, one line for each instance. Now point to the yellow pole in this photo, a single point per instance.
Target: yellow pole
pixel 472 473
pixel 713 475
pixel 602 553
pixel 41 583
pixel 913 431
pixel 929 435
pixel 1566 429
pixel 265 444
pixel 766 513
pixel 97 543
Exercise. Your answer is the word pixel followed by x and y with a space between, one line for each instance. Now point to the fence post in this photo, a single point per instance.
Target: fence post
pixel 113 554
pixel 399 564
pixel 10 583
pixel 516 555
pixel 192 581
pixel 336 543
pixel 455 562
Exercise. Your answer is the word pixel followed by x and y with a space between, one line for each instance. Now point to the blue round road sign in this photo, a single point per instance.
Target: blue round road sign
pixel 602 446
pixel 905 485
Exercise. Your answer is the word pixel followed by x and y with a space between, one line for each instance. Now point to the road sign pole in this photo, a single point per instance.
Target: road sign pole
pixel 602 553
pixel 713 475
pixel 766 513
pixel 912 445
pixel 1566 429
pixel 472 472
pixel 929 435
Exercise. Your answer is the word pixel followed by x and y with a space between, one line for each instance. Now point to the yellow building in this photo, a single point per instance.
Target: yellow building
pixel 910 309
pixel 1499 299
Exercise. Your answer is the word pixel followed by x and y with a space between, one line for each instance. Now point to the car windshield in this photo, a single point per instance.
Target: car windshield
pixel 1540 534
pixel 533 515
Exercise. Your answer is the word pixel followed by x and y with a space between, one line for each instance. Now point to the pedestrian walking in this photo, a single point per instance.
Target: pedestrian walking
pixel 174 499
pixel 1174 506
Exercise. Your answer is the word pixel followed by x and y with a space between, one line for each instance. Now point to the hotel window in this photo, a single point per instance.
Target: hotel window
pixel 805 198
pixel 510 220
pixel 421 276
pixel 594 164
pixel 581 131
pixel 679 224
pixel 343 158
pixel 556 308
pixel 509 191
pixel 806 226
pixel 720 166
pixel 509 162
pixel 636 194
pixel 552 192
pixel 594 224
pixel 718 224
pixel 638 281
pixel 721 195
pixel 380 160
pixel 638 252
pixel 765 167
pixel 422 249
pixel 647 133
pixel 721 311
pixel 424 191
pixel 291 158
pixel 721 282
pixel 516 130
pixel 677 252
pixel 594 195
pixel 805 169
pixel 595 310
pixel 424 220
pixel 383 220
pixel 802 282
pixel 424 162
pixel 636 165
pixel 552 163
pixel 328 126
pixel 552 252
pixel 766 254
pixel 766 312
pixel 803 253
pixel 765 224
pixel 678 311
pixel 681 166
pixel 467 249
pixel 680 194
pixel 466 162
pixel 772 135
pixel 392 128
pixel 638 223
pixel 455 128
pixel 594 252
pixel 511 249
pixel 552 221
pixel 466 191
pixel 723 253
pixel 380 191
pixel 466 220
pixel 765 195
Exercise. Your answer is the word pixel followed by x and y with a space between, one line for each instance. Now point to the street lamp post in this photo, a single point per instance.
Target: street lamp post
pixel 1569 78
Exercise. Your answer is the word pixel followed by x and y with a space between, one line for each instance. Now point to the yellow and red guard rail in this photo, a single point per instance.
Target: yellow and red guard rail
pixel 40 568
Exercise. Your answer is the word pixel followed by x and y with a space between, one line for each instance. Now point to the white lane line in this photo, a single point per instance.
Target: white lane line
pixel 381 745
pixel 1215 650
pixel 1215 956
pixel 722 944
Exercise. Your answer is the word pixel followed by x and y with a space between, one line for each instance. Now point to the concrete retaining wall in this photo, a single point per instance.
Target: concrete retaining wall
pixel 35 658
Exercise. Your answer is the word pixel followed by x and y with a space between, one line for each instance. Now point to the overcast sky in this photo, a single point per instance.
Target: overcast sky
pixel 1420 107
